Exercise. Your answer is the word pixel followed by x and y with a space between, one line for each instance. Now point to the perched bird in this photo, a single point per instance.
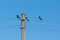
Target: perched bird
pixel 27 18
pixel 17 16
pixel 40 18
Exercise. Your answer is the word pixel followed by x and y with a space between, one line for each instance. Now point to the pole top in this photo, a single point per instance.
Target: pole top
pixel 23 16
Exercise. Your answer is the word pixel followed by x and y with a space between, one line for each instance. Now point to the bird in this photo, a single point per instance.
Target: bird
pixel 27 18
pixel 17 16
pixel 40 18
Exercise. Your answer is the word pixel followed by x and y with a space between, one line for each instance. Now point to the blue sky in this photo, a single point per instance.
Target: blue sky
pixel 48 29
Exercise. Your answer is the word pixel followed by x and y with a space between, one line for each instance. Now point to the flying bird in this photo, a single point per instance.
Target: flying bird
pixel 17 16
pixel 40 18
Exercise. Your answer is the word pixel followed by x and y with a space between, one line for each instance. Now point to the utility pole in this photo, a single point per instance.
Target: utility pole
pixel 23 17
pixel 23 25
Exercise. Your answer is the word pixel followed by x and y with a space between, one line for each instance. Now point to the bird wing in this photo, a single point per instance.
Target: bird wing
pixel 17 16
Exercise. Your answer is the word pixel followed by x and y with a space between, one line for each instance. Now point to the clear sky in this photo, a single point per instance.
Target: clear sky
pixel 48 29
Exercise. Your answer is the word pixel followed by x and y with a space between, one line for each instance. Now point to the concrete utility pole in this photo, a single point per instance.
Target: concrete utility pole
pixel 23 18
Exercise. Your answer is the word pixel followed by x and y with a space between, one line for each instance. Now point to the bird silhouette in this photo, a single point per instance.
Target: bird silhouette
pixel 17 16
pixel 40 18
pixel 27 18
